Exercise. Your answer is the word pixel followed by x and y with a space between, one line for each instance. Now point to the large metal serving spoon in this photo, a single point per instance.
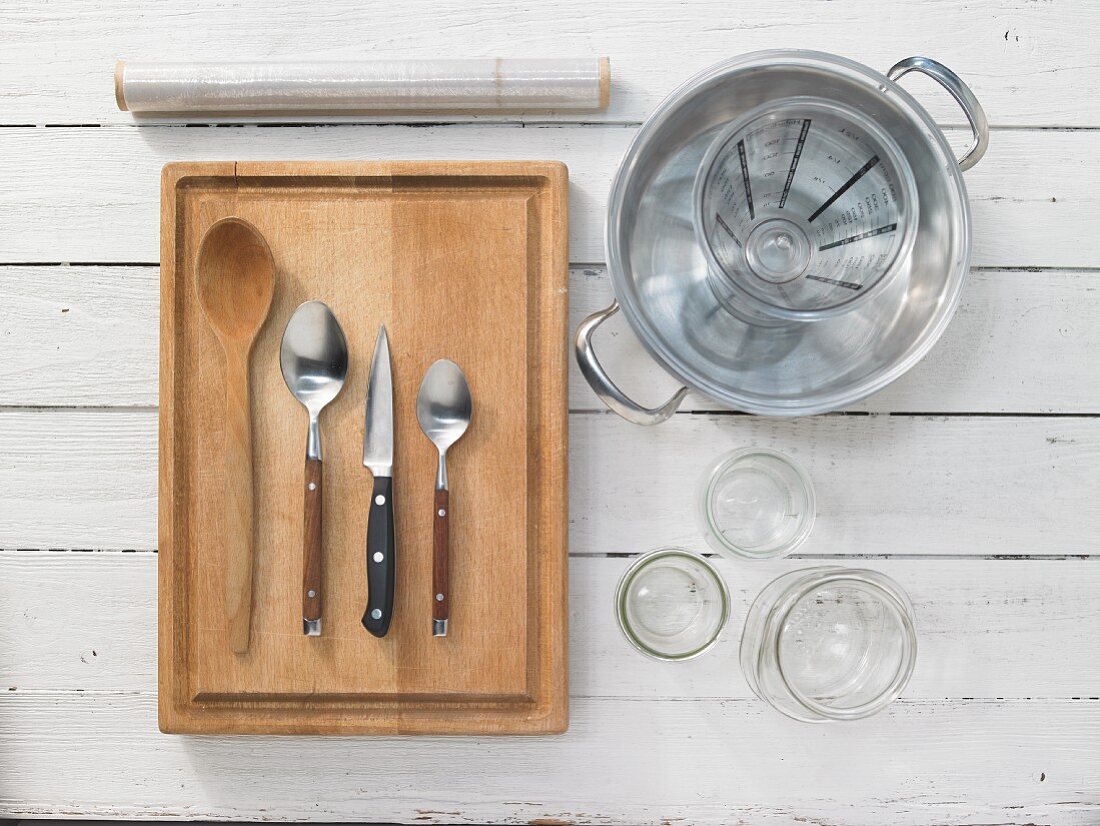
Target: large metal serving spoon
pixel 234 280
pixel 314 360
pixel 443 408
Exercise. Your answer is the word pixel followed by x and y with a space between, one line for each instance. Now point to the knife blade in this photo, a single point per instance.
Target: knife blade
pixel 378 458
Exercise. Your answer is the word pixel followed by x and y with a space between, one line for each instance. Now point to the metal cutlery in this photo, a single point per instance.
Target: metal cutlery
pixel 378 458
pixel 314 360
pixel 443 408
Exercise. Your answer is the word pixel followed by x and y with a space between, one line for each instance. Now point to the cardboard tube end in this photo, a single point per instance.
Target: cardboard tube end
pixel 605 82
pixel 120 94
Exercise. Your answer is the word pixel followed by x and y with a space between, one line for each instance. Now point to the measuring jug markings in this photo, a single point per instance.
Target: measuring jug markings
pixel 863 170
pixel 745 177
pixel 846 284
pixel 722 223
pixel 869 234
pixel 794 161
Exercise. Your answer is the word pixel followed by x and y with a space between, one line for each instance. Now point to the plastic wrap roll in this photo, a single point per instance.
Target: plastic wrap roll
pixel 383 85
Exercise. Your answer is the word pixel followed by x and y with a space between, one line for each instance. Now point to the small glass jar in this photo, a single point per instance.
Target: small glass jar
pixel 672 604
pixel 756 503
pixel 829 643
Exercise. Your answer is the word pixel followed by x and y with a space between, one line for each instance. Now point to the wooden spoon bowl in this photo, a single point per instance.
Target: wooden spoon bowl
pixel 235 280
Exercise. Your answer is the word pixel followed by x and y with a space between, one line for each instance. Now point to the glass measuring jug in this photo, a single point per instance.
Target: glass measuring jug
pixel 803 208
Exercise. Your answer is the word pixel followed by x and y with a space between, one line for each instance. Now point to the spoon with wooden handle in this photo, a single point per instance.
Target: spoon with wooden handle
pixel 314 360
pixel 234 280
pixel 443 408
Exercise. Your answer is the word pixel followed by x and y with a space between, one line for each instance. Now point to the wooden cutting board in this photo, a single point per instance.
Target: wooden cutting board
pixel 466 261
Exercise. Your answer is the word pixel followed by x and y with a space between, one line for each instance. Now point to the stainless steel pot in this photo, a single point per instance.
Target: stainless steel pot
pixel 664 280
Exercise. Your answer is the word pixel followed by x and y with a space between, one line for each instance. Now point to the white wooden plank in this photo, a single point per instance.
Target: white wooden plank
pixel 649 743
pixel 99 490
pixel 622 762
pixel 886 484
pixel 51 642
pixel 92 195
pixel 81 336
pixel 1024 60
pixel 1021 342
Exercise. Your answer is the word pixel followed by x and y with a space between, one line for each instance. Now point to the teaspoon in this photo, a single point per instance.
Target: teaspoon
pixel 443 408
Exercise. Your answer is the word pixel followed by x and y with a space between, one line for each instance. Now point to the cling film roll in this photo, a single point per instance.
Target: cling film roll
pixel 482 84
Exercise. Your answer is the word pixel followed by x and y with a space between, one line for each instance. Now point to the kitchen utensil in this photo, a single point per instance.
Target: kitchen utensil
pixel 314 360
pixel 365 237
pixel 672 604
pixel 234 281
pixel 378 458
pixel 829 643
pixel 747 325
pixel 803 208
pixel 449 84
pixel 756 503
pixel 443 409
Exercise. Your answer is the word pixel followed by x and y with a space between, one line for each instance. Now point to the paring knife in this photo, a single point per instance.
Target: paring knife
pixel 378 458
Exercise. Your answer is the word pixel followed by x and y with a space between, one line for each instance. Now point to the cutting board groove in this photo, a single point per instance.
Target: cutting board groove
pixel 459 260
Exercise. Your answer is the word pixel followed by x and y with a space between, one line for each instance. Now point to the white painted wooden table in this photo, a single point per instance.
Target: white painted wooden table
pixel 973 481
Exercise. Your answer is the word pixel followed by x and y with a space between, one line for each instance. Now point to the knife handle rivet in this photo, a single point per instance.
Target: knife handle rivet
pixel 439 597
pixel 311 593
pixel 442 512
pixel 380 499
pixel 378 556
pixel 376 613
pixel 313 486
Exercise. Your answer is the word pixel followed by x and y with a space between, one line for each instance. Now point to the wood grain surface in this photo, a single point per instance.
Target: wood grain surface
pixel 1025 60
pixel 1022 342
pixel 459 260
pixel 1041 606
pixel 1034 196
pixel 920 762
pixel 970 480
pixel 441 547
pixel 234 277
pixel 973 485
pixel 313 489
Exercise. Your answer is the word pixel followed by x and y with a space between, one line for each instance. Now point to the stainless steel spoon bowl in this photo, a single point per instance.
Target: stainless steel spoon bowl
pixel 314 360
pixel 443 408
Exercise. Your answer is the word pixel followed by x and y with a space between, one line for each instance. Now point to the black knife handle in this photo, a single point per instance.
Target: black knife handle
pixel 380 558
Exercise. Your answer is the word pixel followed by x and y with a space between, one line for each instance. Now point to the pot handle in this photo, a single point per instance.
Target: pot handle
pixel 963 96
pixel 603 387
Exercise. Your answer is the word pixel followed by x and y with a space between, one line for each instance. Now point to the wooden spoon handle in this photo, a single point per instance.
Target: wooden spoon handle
pixel 441 575
pixel 238 501
pixel 311 556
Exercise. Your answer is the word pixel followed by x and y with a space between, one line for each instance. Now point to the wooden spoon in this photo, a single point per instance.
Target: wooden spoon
pixel 235 279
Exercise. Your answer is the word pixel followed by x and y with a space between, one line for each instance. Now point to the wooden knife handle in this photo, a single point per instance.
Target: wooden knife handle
pixel 311 550
pixel 238 500
pixel 441 582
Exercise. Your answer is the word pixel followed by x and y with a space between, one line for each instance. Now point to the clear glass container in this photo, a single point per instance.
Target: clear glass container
pixel 672 604
pixel 804 208
pixel 756 503
pixel 829 643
